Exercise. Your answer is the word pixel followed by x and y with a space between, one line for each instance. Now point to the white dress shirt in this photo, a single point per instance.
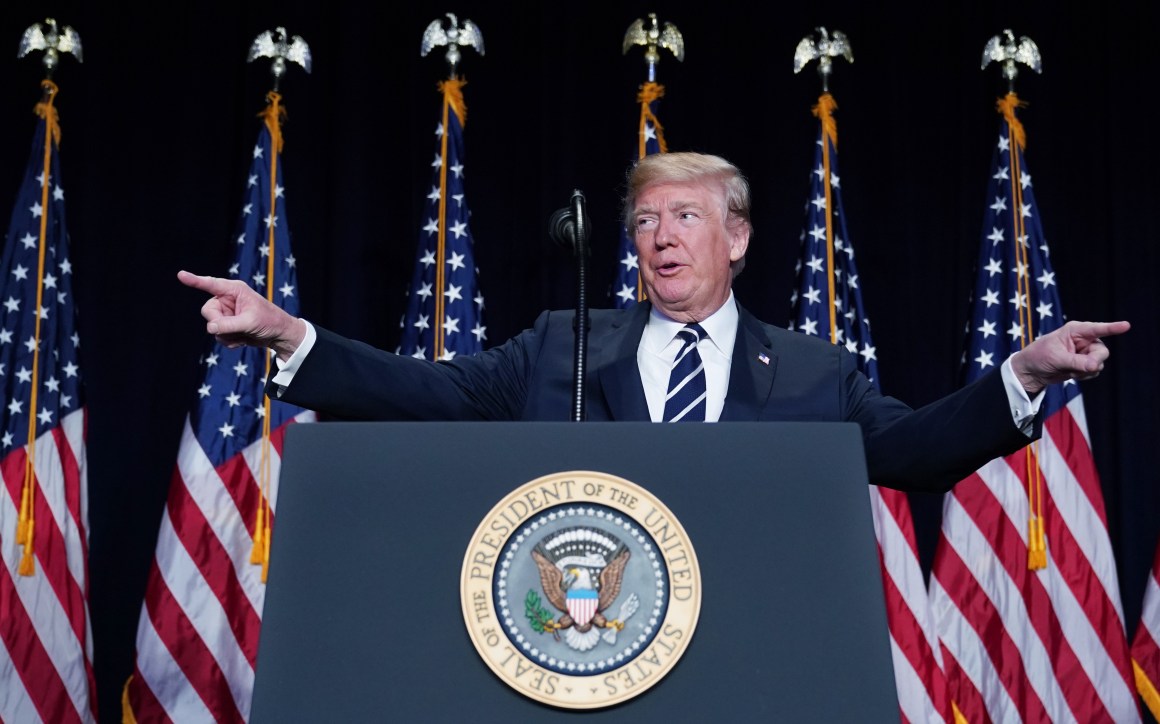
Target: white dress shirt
pixel 659 346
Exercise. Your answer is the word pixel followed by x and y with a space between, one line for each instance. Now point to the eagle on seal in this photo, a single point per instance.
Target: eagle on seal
pixel 568 584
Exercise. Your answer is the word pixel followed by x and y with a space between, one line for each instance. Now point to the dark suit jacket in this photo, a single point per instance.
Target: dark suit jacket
pixel 775 375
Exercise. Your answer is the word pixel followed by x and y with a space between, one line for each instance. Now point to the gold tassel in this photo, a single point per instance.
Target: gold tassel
pixel 127 715
pixel 259 534
pixel 1147 690
pixel 266 557
pixel 1036 538
pixel 960 718
pixel 24 523
pixel 27 562
pixel 1036 544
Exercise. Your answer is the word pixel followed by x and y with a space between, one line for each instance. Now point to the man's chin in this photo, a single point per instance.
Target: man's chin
pixel 670 298
pixel 672 305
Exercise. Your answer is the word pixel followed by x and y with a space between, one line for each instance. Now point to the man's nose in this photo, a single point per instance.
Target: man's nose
pixel 666 233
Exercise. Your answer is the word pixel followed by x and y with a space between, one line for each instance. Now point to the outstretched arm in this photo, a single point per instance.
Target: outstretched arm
pixel 1075 351
pixel 237 315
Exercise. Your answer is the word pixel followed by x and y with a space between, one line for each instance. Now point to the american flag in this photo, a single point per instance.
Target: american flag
pixel 197 638
pixel 827 302
pixel 444 314
pixel 1024 585
pixel 1146 644
pixel 650 140
pixel 46 643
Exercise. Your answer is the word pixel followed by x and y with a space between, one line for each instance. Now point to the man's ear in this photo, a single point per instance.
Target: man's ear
pixel 738 241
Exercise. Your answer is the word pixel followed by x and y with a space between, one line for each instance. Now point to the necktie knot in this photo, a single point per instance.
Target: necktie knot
pixel 690 334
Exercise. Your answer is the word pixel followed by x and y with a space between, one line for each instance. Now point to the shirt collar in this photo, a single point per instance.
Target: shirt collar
pixel 720 326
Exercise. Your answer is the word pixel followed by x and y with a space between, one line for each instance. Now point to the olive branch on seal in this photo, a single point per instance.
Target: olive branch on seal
pixel 539 617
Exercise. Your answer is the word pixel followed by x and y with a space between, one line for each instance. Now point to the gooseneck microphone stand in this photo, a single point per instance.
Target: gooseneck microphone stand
pixel 569 227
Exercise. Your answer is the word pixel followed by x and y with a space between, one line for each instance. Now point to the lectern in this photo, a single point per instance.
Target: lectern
pixel 363 619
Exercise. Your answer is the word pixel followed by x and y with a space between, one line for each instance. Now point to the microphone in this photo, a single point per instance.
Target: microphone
pixel 561 227
pixel 568 226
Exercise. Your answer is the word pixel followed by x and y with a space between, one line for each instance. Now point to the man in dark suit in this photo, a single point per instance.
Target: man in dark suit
pixel 689 216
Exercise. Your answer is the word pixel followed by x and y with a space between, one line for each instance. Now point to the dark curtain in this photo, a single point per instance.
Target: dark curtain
pixel 159 120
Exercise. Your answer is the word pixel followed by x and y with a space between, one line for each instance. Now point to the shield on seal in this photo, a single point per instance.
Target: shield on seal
pixel 581 604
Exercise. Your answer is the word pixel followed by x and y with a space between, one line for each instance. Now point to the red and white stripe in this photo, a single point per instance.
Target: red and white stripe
pixel 1146 644
pixel 197 639
pixel 46 642
pixel 1033 645
pixel 581 608
pixel 918 670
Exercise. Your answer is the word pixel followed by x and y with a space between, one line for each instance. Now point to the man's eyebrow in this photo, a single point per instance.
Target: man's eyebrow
pixel 684 204
pixel 674 205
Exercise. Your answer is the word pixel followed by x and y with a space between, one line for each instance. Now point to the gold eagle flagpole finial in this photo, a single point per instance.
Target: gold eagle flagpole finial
pixel 827 47
pixel 53 40
pixel 281 47
pixel 453 36
pixel 653 37
pixel 1004 49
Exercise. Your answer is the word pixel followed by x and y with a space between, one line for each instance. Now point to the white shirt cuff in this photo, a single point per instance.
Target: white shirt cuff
pixel 1023 408
pixel 287 369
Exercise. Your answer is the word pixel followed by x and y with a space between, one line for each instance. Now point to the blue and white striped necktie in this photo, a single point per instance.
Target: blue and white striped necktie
pixel 685 401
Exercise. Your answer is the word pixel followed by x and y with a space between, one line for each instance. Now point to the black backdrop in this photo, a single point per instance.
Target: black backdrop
pixel 159 120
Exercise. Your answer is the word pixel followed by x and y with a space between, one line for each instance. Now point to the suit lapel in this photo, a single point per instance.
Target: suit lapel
pixel 751 371
pixel 617 368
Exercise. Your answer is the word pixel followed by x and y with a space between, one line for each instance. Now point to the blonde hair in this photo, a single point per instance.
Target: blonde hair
pixel 690 167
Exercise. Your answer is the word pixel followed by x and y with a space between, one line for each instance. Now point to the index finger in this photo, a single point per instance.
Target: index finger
pixel 211 285
pixel 1105 329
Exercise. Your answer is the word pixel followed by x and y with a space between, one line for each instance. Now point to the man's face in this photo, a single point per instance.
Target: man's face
pixel 684 248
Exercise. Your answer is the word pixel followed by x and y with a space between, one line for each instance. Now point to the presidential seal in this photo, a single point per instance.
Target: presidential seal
pixel 580 590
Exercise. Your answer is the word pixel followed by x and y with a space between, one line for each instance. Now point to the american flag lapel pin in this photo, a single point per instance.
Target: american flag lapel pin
pixel 763 358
